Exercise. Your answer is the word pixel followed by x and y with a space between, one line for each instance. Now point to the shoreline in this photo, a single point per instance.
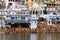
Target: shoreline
pixel 25 30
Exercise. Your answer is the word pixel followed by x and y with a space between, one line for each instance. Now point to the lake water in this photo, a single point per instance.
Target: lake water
pixel 30 36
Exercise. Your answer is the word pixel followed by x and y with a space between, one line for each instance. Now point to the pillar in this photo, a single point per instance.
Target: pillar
pixel 7 3
pixel 42 11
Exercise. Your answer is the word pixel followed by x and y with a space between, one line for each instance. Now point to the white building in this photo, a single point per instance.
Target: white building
pixel 33 22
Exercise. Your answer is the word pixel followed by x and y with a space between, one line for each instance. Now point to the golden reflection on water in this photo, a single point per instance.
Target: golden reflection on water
pixel 30 36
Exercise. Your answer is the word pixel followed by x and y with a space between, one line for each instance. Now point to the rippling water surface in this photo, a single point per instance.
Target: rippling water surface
pixel 30 36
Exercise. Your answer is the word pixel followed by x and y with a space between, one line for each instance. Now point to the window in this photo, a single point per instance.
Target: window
pixel 57 18
pixel 54 13
pixel 0 7
pixel 17 0
pixel 11 0
pixel 45 12
pixel 22 18
pixel 36 12
pixel 10 3
pixel 12 17
pixel 35 21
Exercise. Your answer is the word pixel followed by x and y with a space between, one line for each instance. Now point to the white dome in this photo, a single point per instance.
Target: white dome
pixel 36 6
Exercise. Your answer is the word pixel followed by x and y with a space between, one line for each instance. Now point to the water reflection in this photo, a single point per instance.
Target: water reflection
pixel 33 37
pixel 30 36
